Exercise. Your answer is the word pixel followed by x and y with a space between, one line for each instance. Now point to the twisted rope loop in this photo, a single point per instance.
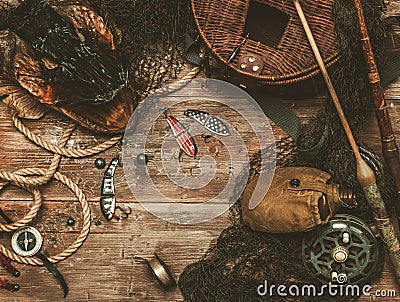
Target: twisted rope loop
pixel 31 178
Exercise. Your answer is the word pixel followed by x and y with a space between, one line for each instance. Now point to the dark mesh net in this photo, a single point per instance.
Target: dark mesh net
pixel 351 83
pixel 153 35
pixel 152 42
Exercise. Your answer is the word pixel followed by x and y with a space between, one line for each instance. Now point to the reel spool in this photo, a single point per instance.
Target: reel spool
pixel 345 250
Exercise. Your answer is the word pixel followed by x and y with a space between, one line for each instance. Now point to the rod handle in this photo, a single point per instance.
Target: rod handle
pixel 385 227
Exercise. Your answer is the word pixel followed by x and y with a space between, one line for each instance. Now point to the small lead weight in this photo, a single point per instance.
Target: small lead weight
pixel 4 283
pixel 70 221
pixel 142 159
pixel 100 163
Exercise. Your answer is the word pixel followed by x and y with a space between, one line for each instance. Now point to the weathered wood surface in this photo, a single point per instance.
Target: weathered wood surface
pixel 106 267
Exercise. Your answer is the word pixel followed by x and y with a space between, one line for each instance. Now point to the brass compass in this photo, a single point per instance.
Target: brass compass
pixel 26 241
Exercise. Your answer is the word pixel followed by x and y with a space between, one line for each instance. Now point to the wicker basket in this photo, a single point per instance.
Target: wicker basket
pixel 277 51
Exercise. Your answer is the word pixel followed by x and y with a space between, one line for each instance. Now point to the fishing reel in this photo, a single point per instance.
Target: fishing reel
pixel 345 250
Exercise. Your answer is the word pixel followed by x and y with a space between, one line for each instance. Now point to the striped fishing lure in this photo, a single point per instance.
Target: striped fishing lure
pixel 183 138
pixel 107 199
pixel 210 122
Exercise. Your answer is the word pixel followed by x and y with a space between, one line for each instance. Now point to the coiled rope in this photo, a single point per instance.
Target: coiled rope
pixel 31 178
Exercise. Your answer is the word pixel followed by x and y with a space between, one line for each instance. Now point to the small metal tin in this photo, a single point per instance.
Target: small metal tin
pixel 162 273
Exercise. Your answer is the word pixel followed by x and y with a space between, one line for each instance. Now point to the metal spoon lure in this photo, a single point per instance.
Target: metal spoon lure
pixel 107 199
pixel 210 122
pixel 183 138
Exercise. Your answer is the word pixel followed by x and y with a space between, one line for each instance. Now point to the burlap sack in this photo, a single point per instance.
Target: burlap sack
pixel 291 204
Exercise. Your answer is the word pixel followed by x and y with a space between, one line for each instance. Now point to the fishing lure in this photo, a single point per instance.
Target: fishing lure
pixel 6 263
pixel 183 138
pixel 27 242
pixel 4 283
pixel 210 122
pixel 107 199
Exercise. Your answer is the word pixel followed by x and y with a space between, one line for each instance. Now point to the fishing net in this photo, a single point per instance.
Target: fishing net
pixel 153 43
pixel 143 41
pixel 242 259
pixel 351 83
pixel 153 38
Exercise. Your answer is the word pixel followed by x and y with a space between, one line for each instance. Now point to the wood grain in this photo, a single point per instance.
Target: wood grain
pixel 106 267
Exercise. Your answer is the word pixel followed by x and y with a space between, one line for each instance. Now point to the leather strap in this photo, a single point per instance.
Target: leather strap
pixel 285 118
pixel 53 269
pixel 288 121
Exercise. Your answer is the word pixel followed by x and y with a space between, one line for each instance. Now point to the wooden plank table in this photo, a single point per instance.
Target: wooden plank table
pixel 106 267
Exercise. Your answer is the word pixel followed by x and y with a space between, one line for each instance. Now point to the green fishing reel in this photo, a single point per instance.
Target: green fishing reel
pixel 343 251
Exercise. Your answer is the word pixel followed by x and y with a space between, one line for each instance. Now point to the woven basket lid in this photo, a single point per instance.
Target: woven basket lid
pixel 277 50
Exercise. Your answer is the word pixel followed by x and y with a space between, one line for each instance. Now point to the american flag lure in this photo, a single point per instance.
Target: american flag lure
pixel 183 138
pixel 210 122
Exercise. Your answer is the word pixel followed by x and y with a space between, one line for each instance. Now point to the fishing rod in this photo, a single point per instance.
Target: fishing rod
pixel 389 146
pixel 365 175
